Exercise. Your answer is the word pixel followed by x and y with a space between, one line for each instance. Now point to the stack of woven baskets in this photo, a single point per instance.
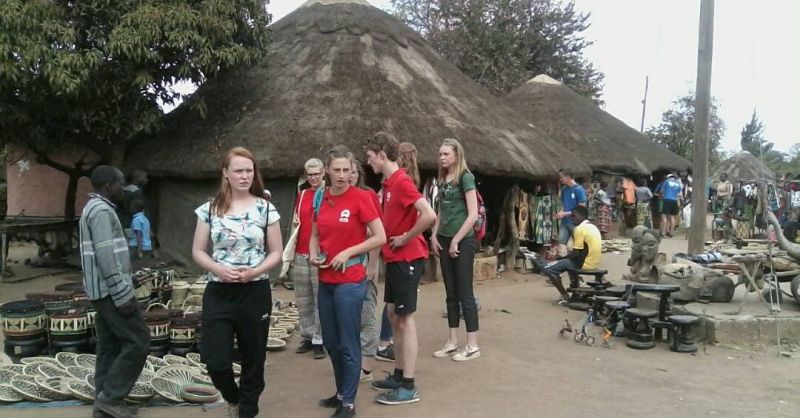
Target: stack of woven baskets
pixel 71 376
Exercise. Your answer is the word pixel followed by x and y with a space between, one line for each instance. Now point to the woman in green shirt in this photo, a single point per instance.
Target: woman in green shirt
pixel 453 241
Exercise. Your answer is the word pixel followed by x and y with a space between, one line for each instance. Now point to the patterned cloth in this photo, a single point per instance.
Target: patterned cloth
pixel 239 240
pixel 603 218
pixel 542 218
pixel 643 216
pixel 306 290
pixel 369 321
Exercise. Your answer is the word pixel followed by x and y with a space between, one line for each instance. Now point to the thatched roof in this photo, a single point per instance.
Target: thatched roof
pixel 743 166
pixel 604 142
pixel 337 72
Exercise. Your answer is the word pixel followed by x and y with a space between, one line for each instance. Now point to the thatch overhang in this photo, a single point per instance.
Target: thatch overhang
pixel 336 72
pixel 604 142
pixel 743 166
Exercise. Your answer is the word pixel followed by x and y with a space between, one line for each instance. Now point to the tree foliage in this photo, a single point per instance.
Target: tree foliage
pixel 676 130
pixel 503 43
pixel 752 137
pixel 752 141
pixel 91 74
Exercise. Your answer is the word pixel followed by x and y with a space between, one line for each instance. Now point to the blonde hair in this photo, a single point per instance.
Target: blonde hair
pixel 407 159
pixel 222 201
pixel 461 161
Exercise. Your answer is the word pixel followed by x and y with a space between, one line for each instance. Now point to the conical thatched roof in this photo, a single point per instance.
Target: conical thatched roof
pixel 743 166
pixel 601 140
pixel 337 72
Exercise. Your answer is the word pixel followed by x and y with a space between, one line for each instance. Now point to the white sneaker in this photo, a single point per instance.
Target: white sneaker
pixel 468 353
pixel 365 377
pixel 233 410
pixel 447 350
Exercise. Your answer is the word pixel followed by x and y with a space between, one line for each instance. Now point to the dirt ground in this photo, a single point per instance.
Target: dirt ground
pixel 524 370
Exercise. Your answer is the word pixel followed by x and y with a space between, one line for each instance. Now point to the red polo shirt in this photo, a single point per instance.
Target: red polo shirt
pixel 342 223
pixel 305 204
pixel 399 216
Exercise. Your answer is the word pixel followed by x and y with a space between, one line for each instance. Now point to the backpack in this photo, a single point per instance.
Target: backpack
pixel 480 223
pixel 479 227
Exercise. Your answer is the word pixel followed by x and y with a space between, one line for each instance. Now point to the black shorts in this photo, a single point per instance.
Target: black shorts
pixel 402 282
pixel 669 207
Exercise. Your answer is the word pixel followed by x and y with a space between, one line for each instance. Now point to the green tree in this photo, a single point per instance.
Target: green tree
pixel 676 130
pixel 752 137
pixel 503 43
pixel 752 141
pixel 92 74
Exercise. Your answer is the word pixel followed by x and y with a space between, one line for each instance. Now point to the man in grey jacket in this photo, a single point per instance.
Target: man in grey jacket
pixel 123 339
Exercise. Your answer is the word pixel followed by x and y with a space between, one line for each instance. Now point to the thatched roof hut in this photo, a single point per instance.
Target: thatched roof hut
pixel 336 72
pixel 743 166
pixel 604 142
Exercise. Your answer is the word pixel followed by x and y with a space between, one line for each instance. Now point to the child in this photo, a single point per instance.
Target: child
pixel 140 243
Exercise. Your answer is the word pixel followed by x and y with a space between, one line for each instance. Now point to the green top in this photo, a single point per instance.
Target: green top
pixel 453 205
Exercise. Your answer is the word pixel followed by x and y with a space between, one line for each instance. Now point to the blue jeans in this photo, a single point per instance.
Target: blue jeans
pixel 562 266
pixel 565 231
pixel 340 318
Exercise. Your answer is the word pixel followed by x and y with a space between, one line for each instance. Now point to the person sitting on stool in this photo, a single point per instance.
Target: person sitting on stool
pixel 585 254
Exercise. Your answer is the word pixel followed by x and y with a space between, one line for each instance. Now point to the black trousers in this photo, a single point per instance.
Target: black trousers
pixel 122 346
pixel 457 275
pixel 242 310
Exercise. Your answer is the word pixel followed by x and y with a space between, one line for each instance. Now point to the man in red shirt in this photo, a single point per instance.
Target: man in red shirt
pixel 406 214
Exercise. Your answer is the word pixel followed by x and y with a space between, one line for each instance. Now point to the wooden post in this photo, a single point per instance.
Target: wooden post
pixel 644 102
pixel 702 106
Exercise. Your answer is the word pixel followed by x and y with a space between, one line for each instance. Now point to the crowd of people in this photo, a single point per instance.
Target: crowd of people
pixel 343 235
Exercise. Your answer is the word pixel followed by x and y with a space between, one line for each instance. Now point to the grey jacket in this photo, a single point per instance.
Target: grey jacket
pixel 104 252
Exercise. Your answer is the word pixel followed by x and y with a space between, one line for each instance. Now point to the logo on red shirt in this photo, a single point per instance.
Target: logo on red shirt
pixel 344 216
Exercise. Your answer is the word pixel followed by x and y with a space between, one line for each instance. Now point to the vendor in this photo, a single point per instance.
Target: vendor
pixel 585 254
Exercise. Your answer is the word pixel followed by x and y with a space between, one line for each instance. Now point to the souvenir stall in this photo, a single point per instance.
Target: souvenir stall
pixel 51 338
pixel 744 219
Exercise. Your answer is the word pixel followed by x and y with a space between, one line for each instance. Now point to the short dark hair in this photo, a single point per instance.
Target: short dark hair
pixel 566 172
pixel 103 175
pixel 386 142
pixel 138 205
pixel 581 210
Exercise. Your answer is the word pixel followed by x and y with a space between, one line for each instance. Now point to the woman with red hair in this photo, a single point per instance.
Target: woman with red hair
pixel 241 227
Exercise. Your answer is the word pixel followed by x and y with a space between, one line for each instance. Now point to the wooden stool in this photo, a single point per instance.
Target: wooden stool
pixel 681 334
pixel 616 309
pixel 599 277
pixel 638 329
pixel 618 291
pixel 580 298
pixel 599 305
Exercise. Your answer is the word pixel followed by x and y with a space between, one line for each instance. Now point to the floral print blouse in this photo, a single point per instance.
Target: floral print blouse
pixel 239 240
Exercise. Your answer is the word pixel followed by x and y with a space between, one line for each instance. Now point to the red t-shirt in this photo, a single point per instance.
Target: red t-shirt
pixel 399 216
pixel 342 223
pixel 306 205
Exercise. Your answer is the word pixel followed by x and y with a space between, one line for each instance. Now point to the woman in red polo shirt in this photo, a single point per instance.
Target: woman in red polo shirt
pixel 339 244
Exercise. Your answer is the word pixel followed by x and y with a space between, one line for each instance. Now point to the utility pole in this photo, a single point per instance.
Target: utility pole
pixel 702 115
pixel 644 101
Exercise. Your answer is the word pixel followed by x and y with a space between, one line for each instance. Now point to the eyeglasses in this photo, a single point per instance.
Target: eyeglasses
pixel 313 174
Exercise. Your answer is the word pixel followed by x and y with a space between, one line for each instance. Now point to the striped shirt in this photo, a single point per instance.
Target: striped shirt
pixel 104 252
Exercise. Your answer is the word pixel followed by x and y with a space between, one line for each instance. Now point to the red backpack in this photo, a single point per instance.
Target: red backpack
pixel 480 223
pixel 479 228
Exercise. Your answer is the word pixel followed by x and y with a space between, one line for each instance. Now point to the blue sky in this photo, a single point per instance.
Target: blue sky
pixel 756 59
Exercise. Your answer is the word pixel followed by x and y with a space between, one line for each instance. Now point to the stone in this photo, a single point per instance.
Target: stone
pixel 644 254
pixel 696 282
